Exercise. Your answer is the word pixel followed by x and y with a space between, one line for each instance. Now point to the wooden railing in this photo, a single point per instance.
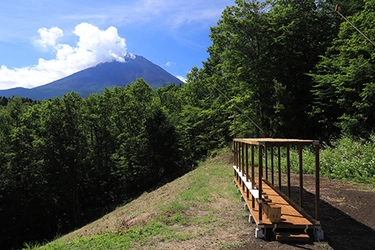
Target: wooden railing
pixel 244 160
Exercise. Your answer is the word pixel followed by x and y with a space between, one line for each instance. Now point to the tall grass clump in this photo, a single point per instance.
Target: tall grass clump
pixel 349 159
pixel 308 157
pixel 346 159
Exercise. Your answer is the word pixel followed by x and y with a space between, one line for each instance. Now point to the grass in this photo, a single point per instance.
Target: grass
pixel 189 211
pixel 202 208
pixel 350 159
pixel 347 159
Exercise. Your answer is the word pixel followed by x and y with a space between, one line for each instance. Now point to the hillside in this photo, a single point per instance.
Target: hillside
pixel 202 210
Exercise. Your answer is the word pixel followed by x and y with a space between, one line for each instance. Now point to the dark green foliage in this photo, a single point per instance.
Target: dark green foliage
pixel 260 57
pixel 344 89
pixel 267 74
pixel 65 161
pixel 349 7
pixel 3 101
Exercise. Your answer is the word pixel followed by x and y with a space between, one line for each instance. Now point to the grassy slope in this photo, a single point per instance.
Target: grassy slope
pixel 202 210
pixel 198 210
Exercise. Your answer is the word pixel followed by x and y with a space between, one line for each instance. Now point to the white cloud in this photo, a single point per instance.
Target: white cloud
pixel 48 37
pixel 94 46
pixel 183 79
pixel 170 64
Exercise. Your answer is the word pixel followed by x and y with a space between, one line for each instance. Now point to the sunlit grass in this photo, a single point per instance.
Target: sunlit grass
pixel 350 159
pixel 346 159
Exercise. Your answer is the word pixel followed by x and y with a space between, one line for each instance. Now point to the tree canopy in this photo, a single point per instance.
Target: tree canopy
pixel 344 79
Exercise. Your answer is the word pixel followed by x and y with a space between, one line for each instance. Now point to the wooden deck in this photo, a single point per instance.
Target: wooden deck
pixel 290 216
pixel 268 206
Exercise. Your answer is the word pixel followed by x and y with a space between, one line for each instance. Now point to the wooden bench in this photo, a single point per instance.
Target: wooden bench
pixel 272 211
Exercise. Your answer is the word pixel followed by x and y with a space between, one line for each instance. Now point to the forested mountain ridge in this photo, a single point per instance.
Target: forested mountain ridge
pixel 96 79
pixel 289 68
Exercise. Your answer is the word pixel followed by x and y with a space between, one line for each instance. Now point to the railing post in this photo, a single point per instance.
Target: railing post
pixel 272 167
pixel 247 161
pixel 247 169
pixel 300 175
pixel 288 166
pixel 235 153
pixel 317 182
pixel 266 161
pixel 243 158
pixel 279 165
pixel 260 201
pixel 252 173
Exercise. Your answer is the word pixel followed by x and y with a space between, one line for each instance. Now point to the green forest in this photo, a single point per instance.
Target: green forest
pixel 276 68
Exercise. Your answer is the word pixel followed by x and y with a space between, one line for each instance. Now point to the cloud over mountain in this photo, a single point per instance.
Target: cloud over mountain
pixel 94 46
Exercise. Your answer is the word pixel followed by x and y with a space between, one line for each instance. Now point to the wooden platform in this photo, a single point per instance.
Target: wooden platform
pixel 268 206
pixel 290 216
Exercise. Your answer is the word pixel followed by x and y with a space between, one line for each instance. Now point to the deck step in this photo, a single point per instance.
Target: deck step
pixel 285 236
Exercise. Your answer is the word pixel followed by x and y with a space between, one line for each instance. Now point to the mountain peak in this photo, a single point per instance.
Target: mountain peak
pixel 130 56
pixel 99 77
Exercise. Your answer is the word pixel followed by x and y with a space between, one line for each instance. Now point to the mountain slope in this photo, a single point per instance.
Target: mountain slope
pixel 199 210
pixel 96 79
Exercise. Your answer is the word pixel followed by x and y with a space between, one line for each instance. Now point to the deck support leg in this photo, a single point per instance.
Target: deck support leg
pixel 251 219
pixel 274 228
pixel 259 233
pixel 319 234
pixel 245 207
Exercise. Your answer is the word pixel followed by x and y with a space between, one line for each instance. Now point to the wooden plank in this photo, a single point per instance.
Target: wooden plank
pixel 274 141
pixel 293 204
pixel 284 236
pixel 290 217
pixel 288 213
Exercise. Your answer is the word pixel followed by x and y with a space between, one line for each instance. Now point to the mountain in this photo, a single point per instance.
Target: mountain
pixel 96 79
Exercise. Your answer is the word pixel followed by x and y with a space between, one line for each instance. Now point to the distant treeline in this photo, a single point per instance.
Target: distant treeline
pixel 290 68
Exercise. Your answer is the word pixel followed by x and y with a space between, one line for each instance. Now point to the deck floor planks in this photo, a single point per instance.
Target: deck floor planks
pixel 290 217
pixel 288 213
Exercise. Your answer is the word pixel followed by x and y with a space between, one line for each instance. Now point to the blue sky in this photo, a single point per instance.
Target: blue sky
pixel 45 40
